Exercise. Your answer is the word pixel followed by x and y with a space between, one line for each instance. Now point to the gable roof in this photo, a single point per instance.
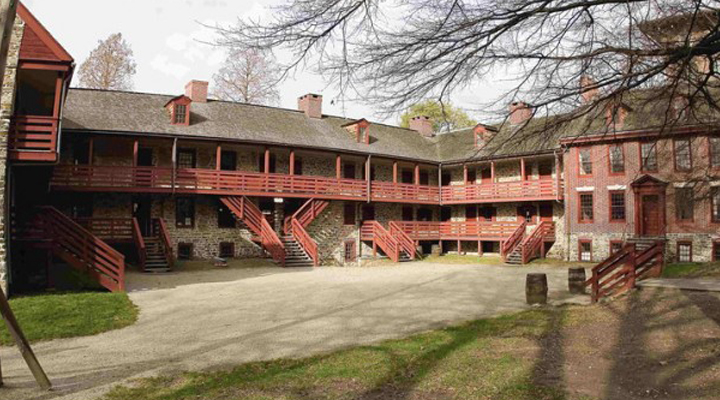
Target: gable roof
pixel 37 43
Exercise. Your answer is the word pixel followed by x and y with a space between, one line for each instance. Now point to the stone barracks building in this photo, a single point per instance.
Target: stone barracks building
pixel 100 181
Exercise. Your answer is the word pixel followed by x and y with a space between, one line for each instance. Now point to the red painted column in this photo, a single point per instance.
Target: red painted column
pixel 522 169
pixel 267 161
pixel 218 157
pixel 338 166
pixel 417 174
pixel 135 153
pixel 292 162
pixel 465 174
pixel 395 172
pixel 91 149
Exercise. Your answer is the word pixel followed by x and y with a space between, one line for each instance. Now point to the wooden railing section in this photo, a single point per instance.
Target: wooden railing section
pixel 375 232
pixel 33 138
pixel 109 229
pixel 305 214
pixel 83 250
pixel 160 230
pixel 139 244
pixel 302 237
pixel 403 239
pixel 541 189
pixel 457 230
pixel 242 183
pixel 619 272
pixel 250 214
pixel 507 246
pixel 532 245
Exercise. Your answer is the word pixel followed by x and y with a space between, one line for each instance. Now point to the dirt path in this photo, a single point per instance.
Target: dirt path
pixel 215 318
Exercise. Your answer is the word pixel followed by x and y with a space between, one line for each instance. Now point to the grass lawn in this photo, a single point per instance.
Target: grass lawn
pixel 52 316
pixel 626 349
pixel 692 270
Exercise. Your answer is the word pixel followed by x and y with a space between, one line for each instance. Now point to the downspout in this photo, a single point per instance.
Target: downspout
pixel 368 177
pixel 440 184
pixel 60 120
pixel 566 211
pixel 174 164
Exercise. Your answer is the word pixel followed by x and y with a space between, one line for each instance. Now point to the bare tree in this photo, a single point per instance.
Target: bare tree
pixel 249 76
pixel 396 52
pixel 109 66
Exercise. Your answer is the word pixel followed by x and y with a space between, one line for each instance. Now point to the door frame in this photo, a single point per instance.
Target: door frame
pixel 644 186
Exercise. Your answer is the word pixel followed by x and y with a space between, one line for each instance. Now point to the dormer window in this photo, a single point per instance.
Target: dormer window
pixel 179 110
pixel 359 130
pixel 180 114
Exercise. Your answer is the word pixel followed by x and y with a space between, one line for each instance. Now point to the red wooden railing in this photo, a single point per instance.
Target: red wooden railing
pixel 305 241
pixel 251 215
pixel 109 229
pixel 388 191
pixel 619 272
pixel 160 230
pixel 508 245
pixel 83 250
pixel 139 244
pixel 541 189
pixel 237 183
pixel 457 230
pixel 33 138
pixel 403 239
pixel 532 245
pixel 375 232
pixel 305 214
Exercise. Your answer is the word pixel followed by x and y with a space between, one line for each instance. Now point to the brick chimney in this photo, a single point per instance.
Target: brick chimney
pixel 311 105
pixel 587 91
pixel 520 112
pixel 423 125
pixel 197 91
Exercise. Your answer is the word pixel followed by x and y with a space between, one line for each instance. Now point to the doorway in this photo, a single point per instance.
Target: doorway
pixel 142 211
pixel 651 225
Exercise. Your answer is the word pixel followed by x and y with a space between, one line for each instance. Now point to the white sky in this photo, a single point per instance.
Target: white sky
pixel 164 37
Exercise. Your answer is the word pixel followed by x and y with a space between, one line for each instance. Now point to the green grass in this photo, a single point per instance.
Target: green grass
pixel 692 270
pixel 463 259
pixel 484 359
pixel 53 316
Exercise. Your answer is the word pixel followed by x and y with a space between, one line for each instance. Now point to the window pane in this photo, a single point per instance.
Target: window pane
pixel 683 158
pixel 184 212
pixel 684 203
pixel 649 156
pixel 715 201
pixel 585 162
pixel 186 158
pixel 585 251
pixel 684 252
pixel 715 151
pixel 617 206
pixel 615 247
pixel 617 159
pixel 180 111
pixel 586 207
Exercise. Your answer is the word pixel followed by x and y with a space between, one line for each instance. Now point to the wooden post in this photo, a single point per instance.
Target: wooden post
pixel 395 172
pixel 417 174
pixel 367 178
pixel 292 162
pixel 440 183
pixel 480 253
pixel 58 95
pixel 465 174
pixel 522 169
pixel 218 157
pixel 266 164
pixel 135 153
pixel 492 172
pixel 22 344
pixel 558 172
pixel 338 166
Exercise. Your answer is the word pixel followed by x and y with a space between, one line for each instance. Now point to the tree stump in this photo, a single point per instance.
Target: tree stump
pixel 536 289
pixel 576 280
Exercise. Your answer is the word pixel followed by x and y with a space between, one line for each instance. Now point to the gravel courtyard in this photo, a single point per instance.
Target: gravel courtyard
pixel 214 318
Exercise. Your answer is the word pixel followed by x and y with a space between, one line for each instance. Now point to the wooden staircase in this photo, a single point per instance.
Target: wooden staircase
pixel 301 249
pixel 511 248
pixel 77 246
pixel 249 214
pixel 155 252
pixel 295 254
pixel 618 273
pixel 395 247
pixel 531 246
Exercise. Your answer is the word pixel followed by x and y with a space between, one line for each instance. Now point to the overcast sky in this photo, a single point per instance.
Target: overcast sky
pixel 165 35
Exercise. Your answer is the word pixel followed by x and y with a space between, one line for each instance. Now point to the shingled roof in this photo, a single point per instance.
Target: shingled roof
pixel 141 113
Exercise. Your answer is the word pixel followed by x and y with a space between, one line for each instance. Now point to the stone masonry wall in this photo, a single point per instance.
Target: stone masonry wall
pixel 7 101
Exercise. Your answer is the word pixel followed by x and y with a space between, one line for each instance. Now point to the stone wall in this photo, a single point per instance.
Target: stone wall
pixel 7 101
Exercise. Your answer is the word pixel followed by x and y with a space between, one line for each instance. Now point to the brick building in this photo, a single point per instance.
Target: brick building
pixel 99 180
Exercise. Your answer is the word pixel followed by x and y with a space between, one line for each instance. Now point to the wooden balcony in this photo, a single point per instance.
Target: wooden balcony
pixel 528 190
pixel 458 230
pixel 33 138
pixel 240 183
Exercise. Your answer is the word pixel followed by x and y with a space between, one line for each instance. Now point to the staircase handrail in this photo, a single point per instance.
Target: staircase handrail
pixel 383 238
pixel 164 235
pixel 403 239
pixel 302 237
pixel 513 240
pixel 87 248
pixel 532 243
pixel 271 242
pixel 139 243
